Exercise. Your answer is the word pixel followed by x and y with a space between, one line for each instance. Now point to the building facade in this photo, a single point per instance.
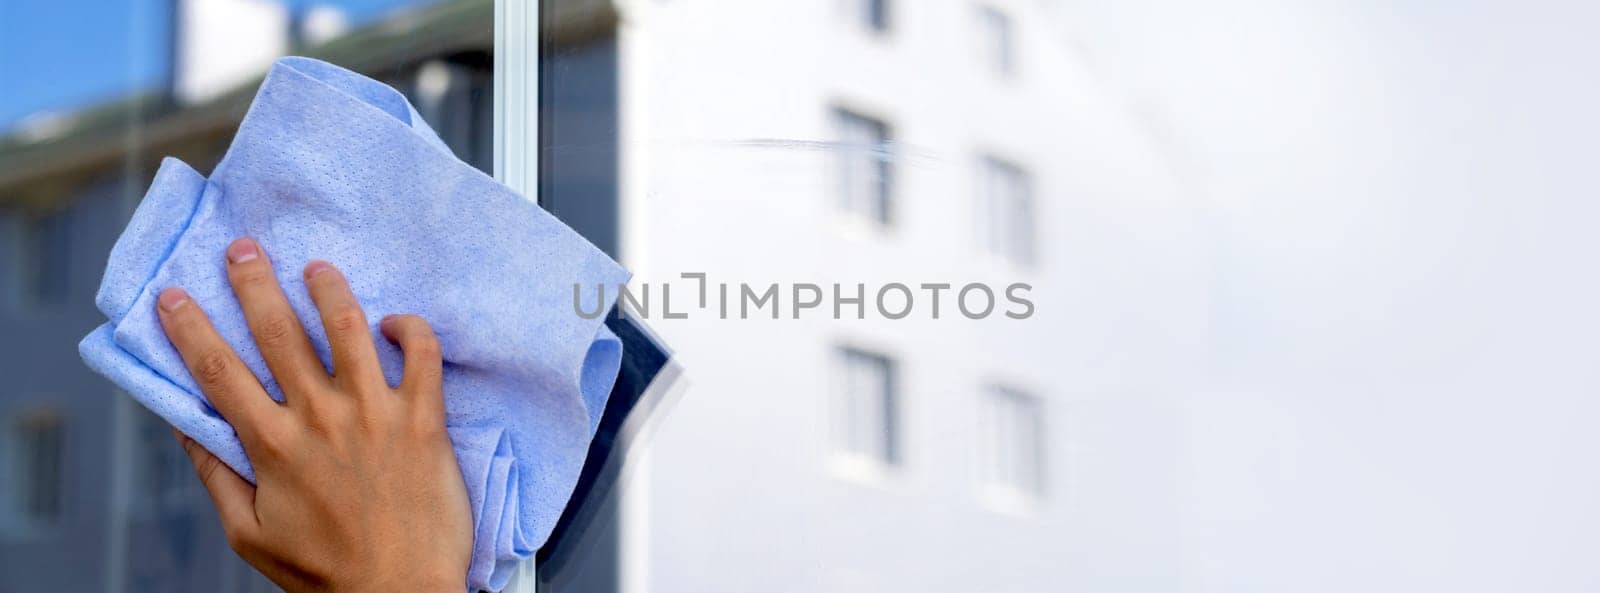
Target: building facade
pixel 923 143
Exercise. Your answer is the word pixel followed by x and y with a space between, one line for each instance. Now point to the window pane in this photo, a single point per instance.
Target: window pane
pixel 94 96
pixel 46 257
pixel 1007 197
pixel 875 14
pixel 34 485
pixel 865 178
pixel 868 420
pixel 998 39
pixel 1016 464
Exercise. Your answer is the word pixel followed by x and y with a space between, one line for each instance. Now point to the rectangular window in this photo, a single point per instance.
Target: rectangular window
pixel 1007 210
pixel 868 409
pixel 164 476
pixel 1016 444
pixel 44 256
pixel 874 14
pixel 455 97
pixel 865 177
pixel 998 38
pixel 34 460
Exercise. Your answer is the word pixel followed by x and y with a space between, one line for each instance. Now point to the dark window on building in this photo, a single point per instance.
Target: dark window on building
pixel 164 477
pixel 44 257
pixel 874 14
pixel 34 459
pixel 455 96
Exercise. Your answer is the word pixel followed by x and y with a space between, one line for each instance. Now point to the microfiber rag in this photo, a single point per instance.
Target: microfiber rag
pixel 329 164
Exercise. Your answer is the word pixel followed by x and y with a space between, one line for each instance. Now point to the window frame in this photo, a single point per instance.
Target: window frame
pixel 877 208
pixel 16 521
pixel 1001 405
pixel 1008 224
pixel 516 139
pixel 999 39
pixel 881 450
pixel 873 16
pixel 30 229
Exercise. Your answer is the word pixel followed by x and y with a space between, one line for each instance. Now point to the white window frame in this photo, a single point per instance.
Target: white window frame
pixel 516 137
pixel 1008 226
pixel 877 209
pixel 1001 407
pixel 848 459
pixel 998 39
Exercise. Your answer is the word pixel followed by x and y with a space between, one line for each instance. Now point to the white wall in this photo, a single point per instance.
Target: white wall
pixel 1404 379
pixel 222 44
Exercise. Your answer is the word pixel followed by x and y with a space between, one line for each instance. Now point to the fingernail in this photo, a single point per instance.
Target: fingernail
pixel 317 267
pixel 243 250
pixel 172 298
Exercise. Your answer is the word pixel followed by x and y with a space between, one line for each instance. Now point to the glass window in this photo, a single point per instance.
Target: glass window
pixel 44 257
pixel 868 413
pixel 164 477
pixel 866 180
pixel 1014 468
pixel 999 39
pixel 874 14
pixel 455 96
pixel 1007 211
pixel 35 446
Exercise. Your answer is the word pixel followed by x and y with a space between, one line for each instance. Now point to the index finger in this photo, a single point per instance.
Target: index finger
pixel 224 379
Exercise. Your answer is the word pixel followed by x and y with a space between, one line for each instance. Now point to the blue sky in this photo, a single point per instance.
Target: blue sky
pixel 58 55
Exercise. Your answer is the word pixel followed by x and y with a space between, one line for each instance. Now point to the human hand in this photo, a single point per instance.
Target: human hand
pixel 357 487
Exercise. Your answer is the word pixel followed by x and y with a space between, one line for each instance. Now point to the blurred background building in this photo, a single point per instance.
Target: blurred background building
pixel 846 142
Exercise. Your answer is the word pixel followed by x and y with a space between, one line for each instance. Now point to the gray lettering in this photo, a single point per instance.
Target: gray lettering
pixel 860 302
pixel 599 301
pixel 813 302
pixel 1011 296
pixel 933 289
pixel 747 296
pixel 905 290
pixel 701 276
pixel 988 295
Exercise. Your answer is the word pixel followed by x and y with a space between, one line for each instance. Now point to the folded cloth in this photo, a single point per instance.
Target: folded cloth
pixel 329 164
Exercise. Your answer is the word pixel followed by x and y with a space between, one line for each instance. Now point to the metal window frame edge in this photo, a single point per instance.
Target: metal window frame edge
pixel 516 137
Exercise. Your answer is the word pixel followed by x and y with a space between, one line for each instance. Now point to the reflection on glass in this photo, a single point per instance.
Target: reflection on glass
pixel 33 470
pixel 1015 464
pixel 1006 220
pixel 865 179
pixel 868 408
pixel 95 494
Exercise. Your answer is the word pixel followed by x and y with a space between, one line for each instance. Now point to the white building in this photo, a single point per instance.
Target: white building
pixel 997 455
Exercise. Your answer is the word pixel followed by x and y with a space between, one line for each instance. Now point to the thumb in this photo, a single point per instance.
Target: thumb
pixel 234 498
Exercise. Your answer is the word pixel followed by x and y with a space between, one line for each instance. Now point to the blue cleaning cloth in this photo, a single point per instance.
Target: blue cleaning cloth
pixel 331 165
